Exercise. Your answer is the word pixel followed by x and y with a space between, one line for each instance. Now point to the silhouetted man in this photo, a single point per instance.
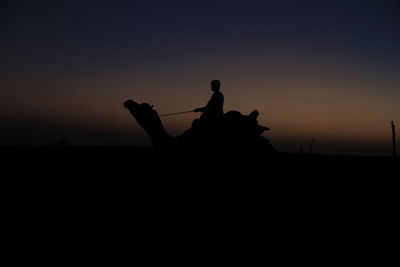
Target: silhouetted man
pixel 214 108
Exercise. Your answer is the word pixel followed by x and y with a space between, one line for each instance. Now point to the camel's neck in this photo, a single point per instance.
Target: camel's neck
pixel 149 120
pixel 157 133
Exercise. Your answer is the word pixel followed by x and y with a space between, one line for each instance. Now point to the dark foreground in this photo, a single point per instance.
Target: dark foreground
pixel 136 207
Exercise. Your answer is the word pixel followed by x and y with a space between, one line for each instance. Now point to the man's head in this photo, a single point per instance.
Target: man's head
pixel 215 85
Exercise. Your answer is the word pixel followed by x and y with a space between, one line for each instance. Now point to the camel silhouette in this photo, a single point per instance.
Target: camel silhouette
pixel 233 132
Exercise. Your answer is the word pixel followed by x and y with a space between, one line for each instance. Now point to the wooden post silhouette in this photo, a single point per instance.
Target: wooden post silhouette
pixel 394 139
pixel 311 145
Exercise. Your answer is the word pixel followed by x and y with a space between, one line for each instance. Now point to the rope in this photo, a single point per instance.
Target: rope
pixel 176 113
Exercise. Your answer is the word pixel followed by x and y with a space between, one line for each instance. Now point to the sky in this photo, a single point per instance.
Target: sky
pixel 327 70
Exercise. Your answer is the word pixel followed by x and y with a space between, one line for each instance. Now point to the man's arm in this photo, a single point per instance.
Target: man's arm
pixel 199 109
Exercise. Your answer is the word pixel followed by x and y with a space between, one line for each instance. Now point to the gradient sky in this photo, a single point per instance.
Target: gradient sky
pixel 323 69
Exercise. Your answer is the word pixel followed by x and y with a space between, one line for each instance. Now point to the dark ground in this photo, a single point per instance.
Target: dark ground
pixel 137 207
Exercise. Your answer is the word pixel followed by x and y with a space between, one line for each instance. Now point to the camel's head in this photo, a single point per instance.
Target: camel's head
pixel 130 104
pixel 144 113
